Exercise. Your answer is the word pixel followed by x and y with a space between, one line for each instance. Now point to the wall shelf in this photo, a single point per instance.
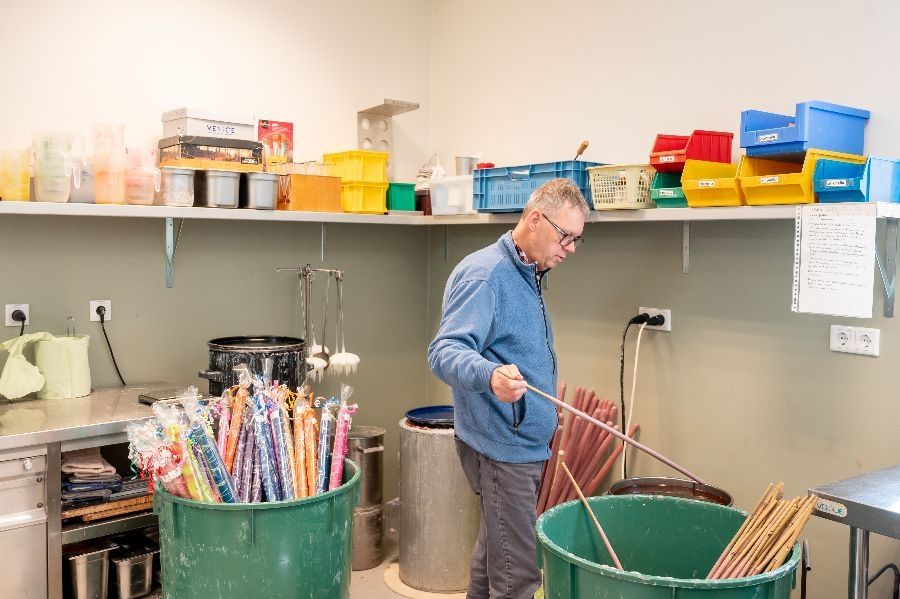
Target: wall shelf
pixel 75 533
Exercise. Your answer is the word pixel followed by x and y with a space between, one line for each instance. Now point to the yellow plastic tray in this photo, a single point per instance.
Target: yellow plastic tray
pixel 357 166
pixel 708 184
pixel 766 182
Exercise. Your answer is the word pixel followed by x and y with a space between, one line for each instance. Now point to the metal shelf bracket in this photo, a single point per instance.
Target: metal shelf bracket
pixel 686 247
pixel 171 248
pixel 887 267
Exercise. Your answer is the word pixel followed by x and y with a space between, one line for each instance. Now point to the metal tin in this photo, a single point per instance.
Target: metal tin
pixel 287 354
pixel 368 532
pixel 673 487
pixel 439 513
pixel 365 446
pixel 90 574
pixel 176 186
pixel 259 191
pixel 218 189
pixel 134 575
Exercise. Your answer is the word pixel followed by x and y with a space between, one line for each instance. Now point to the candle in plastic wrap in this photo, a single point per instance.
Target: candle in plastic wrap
pixel 220 476
pixel 235 428
pixel 256 484
pixel 265 454
pixel 289 448
pixel 239 461
pixel 224 425
pixel 199 472
pixel 345 416
pixel 285 476
pixel 247 468
pixel 326 437
pixel 311 438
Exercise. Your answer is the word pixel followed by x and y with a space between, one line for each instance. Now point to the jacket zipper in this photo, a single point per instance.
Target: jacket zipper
pixel 517 421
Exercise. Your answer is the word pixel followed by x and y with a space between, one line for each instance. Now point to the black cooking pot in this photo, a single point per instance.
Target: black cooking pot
pixel 286 357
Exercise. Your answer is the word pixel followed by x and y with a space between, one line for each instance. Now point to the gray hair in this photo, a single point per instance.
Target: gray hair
pixel 554 195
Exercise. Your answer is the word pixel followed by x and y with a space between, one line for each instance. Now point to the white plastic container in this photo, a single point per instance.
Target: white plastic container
pixel 451 195
pixel 190 121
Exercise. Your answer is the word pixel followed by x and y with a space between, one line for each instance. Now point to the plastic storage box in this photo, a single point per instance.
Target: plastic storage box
pixel 666 192
pixel 708 184
pixel 876 181
pixel 625 186
pixel 507 188
pixel 451 195
pixel 364 198
pixel 189 151
pixel 401 196
pixel 767 182
pixel 670 151
pixel 358 166
pixel 816 124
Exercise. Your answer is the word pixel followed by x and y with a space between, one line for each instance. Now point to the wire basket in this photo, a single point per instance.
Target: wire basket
pixel 621 186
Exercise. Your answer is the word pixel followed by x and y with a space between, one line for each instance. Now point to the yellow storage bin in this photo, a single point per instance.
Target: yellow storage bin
pixel 767 182
pixel 358 166
pixel 364 198
pixel 707 184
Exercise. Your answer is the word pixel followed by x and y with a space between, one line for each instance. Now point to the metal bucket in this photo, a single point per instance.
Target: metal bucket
pixel 368 534
pixel 671 487
pixel 439 514
pixel 288 365
pixel 89 571
pixel 365 446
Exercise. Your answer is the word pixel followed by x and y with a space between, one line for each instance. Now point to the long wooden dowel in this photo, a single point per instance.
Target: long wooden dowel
pixel 613 431
pixel 587 506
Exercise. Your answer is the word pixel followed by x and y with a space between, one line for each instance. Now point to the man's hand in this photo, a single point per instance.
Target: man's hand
pixel 509 388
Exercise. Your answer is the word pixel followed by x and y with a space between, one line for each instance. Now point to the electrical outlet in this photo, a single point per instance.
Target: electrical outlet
pixel 855 340
pixel 106 304
pixel 665 312
pixel 10 308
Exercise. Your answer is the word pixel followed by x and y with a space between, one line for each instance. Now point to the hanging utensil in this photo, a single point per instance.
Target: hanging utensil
pixel 321 351
pixel 70 326
pixel 343 362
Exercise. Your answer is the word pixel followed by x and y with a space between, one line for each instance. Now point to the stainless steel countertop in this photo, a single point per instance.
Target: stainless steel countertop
pixel 103 412
pixel 870 501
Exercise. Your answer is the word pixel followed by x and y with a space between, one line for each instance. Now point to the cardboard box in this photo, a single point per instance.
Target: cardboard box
pixel 191 151
pixel 190 121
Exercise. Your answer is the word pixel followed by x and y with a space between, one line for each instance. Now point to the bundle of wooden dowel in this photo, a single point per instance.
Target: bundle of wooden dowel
pixel 766 537
pixel 588 450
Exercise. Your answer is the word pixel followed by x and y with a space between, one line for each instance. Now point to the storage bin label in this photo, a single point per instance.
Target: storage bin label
pixel 835 183
pixel 706 183
pixel 764 180
pixel 667 159
pixel 832 508
pixel 767 138
pixel 666 193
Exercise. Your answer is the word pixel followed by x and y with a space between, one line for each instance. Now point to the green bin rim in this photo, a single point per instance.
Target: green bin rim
pixel 268 505
pixel 667 581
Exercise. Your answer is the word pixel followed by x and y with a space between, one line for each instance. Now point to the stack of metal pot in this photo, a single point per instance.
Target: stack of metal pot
pixel 365 446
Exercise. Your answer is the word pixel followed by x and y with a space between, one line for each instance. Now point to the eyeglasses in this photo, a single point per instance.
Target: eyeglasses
pixel 567 238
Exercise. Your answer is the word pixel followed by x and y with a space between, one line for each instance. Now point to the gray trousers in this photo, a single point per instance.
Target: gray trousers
pixel 504 560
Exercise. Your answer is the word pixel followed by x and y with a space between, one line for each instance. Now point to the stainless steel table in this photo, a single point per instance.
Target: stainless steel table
pixel 866 503
pixel 38 431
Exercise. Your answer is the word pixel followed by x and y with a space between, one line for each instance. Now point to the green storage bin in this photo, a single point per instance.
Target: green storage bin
pixel 666 192
pixel 287 549
pixel 667 545
pixel 401 196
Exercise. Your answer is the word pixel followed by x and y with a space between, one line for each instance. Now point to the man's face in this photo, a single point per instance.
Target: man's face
pixel 568 223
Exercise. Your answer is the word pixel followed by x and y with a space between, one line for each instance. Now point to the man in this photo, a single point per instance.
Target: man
pixel 495 335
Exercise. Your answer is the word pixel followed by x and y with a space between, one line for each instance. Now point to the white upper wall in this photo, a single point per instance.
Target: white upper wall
pixel 69 64
pixel 525 81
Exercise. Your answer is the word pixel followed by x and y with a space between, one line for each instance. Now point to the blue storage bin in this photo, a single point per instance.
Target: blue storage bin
pixel 878 180
pixel 816 124
pixel 507 188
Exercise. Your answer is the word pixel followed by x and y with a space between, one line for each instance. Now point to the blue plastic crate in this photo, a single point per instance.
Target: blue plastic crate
pixel 507 188
pixel 878 180
pixel 816 124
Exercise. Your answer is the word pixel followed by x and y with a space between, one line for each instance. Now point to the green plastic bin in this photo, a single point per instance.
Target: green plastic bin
pixel 401 196
pixel 666 192
pixel 287 549
pixel 667 545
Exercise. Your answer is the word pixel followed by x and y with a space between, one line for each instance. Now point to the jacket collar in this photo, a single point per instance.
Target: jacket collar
pixel 528 271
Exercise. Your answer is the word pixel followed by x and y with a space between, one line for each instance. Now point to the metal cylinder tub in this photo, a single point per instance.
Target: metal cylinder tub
pixel 439 513
pixel 365 446
pixel 288 356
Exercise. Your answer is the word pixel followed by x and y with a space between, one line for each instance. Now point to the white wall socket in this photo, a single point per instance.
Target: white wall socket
pixel 855 340
pixel 667 314
pixel 10 308
pixel 106 304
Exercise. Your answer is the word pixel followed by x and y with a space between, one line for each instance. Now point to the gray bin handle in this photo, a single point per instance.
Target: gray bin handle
pixel 370 449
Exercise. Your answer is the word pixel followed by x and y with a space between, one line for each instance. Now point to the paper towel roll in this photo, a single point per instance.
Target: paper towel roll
pixel 64 363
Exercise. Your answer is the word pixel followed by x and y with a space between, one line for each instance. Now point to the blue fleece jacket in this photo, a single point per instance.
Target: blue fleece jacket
pixel 494 314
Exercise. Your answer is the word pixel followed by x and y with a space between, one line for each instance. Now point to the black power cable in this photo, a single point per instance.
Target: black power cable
pixel 101 312
pixel 639 319
pixel 19 316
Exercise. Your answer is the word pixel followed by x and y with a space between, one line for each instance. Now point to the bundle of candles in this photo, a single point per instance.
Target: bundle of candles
pixel 766 537
pixel 271 444
pixel 588 450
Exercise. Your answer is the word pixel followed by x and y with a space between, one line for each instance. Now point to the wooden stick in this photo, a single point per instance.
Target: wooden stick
pixel 607 466
pixel 753 539
pixel 615 558
pixel 549 471
pixel 795 529
pixel 740 531
pixel 778 530
pixel 771 534
pixel 752 525
pixel 620 435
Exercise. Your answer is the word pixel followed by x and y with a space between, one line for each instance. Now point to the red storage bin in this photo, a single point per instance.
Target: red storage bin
pixel 670 151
